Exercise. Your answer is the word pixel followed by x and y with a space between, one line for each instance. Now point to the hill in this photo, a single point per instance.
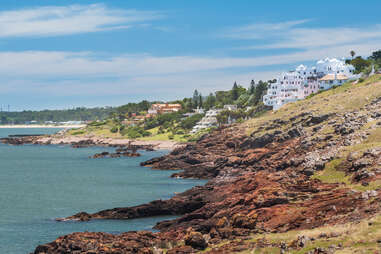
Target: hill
pixel 56 116
pixel 304 179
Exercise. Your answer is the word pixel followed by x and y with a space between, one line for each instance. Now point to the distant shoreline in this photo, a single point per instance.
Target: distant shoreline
pixel 31 126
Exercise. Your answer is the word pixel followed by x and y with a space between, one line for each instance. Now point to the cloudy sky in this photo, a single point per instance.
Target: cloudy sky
pixel 64 54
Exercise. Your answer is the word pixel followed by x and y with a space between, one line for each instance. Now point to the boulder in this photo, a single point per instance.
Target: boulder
pixel 195 240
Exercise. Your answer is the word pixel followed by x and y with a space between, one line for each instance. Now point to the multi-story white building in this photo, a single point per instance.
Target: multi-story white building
pixel 334 72
pixel 303 81
pixel 209 120
pixel 292 86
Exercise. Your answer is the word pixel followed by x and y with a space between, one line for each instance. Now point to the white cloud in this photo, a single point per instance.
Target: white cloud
pixel 44 64
pixel 261 30
pixel 295 35
pixel 73 19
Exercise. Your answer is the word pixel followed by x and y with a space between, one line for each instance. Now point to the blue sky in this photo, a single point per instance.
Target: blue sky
pixel 64 54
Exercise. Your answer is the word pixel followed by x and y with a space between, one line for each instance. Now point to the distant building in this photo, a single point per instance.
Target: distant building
pixel 152 111
pixel 230 107
pixel 164 108
pixel 303 81
pixel 199 111
pixel 209 120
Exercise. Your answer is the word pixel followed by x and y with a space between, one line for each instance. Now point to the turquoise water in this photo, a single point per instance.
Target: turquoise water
pixel 41 183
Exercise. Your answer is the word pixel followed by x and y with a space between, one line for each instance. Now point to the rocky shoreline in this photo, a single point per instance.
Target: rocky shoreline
pixel 87 141
pixel 257 184
pixel 300 170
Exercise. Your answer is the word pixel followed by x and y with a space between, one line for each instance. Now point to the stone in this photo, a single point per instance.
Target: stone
pixel 195 240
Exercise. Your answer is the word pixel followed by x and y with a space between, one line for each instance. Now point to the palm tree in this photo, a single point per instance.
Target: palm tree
pixel 352 54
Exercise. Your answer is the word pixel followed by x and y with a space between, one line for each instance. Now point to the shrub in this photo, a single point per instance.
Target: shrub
pixel 95 123
pixel 114 129
pixel 134 134
pixel 171 136
pixel 78 132
pixel 146 134
pixel 189 122
pixel 180 132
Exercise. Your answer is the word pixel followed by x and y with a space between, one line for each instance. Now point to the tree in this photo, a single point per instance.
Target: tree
pixel 235 91
pixel 200 104
pixel 252 87
pixel 360 64
pixel 260 91
pixel 210 101
pixel 352 53
pixel 376 56
pixel 195 98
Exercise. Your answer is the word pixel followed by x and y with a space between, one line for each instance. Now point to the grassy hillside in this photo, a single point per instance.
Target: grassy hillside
pixel 361 237
pixel 347 97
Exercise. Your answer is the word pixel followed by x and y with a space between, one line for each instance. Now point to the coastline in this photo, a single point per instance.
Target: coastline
pixel 31 126
pixel 100 141
pixel 83 141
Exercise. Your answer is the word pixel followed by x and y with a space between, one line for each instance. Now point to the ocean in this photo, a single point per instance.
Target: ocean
pixel 41 183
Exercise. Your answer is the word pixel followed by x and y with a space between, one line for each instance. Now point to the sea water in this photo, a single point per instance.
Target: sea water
pixel 41 183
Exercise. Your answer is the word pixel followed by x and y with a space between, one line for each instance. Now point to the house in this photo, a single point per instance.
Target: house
pixel 303 81
pixel 161 108
pixel 330 80
pixel 230 107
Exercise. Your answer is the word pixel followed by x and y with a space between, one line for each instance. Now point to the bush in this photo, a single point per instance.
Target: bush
pixel 114 129
pixel 135 132
pixel 171 136
pixel 180 132
pixel 95 123
pixel 146 134
pixel 189 122
pixel 78 132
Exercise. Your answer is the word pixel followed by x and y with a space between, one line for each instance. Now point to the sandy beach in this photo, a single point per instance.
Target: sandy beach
pixel 25 126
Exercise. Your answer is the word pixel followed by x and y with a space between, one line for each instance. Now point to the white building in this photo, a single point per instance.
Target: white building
pixel 209 120
pixel 230 107
pixel 303 81
pixel 292 86
pixel 334 72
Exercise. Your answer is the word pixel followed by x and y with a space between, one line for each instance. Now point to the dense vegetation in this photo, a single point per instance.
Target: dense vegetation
pixel 124 121
pixel 77 114
pixel 363 65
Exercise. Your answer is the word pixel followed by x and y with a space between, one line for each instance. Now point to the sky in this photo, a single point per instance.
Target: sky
pixel 57 54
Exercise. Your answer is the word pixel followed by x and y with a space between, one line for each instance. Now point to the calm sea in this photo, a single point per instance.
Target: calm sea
pixel 41 183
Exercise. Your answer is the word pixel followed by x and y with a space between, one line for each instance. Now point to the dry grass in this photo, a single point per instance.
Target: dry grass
pixel 353 237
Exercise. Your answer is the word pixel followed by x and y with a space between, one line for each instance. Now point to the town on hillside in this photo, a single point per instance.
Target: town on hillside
pixel 197 115
pixel 190 118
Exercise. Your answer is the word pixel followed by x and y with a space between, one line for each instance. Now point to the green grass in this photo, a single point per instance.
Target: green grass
pixel 330 174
